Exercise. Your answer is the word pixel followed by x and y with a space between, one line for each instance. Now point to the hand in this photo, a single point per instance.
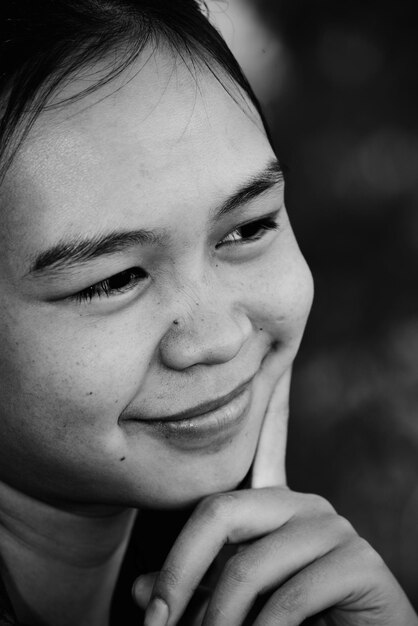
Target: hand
pixel 293 551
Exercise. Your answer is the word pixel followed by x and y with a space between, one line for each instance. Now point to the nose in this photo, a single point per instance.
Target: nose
pixel 208 329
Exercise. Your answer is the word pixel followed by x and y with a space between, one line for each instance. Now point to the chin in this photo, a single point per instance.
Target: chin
pixel 186 491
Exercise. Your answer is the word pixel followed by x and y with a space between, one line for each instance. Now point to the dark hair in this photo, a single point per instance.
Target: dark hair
pixel 45 42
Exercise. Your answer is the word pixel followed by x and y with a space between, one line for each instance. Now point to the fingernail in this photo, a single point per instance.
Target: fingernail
pixel 157 613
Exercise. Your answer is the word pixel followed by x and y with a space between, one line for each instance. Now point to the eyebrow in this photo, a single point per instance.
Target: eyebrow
pixel 271 176
pixel 68 253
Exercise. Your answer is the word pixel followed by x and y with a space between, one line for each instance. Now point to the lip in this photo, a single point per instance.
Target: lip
pixel 208 423
pixel 203 408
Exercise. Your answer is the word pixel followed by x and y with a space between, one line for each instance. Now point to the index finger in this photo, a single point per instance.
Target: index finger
pixel 269 462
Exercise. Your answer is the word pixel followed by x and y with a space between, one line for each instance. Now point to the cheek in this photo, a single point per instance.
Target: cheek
pixel 282 293
pixel 72 371
pixel 294 295
pixel 63 388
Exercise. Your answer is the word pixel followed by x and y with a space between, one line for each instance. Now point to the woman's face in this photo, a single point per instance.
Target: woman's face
pixel 142 275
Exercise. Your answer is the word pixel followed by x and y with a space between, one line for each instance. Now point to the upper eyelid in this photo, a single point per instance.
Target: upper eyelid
pixel 79 294
pixel 272 215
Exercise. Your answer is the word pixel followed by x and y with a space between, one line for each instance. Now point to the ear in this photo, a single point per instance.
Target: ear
pixel 269 468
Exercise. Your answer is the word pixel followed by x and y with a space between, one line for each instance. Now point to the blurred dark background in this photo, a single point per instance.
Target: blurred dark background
pixel 339 86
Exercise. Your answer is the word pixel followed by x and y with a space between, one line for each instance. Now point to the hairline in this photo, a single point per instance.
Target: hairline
pixel 191 52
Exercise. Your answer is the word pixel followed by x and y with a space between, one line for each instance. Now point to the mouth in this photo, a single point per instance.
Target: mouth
pixel 205 407
pixel 213 422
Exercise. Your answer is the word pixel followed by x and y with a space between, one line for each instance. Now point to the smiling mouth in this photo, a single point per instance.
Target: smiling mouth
pixel 213 422
pixel 201 409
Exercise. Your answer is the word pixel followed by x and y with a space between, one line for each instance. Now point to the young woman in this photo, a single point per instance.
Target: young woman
pixel 153 298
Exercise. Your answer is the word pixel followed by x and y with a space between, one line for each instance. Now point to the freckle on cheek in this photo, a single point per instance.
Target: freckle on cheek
pixel 123 458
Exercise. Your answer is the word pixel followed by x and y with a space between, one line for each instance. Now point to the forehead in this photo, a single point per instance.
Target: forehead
pixel 159 137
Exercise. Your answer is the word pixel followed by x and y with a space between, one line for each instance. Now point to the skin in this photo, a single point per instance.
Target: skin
pixel 160 153
pixel 77 372
pixel 291 550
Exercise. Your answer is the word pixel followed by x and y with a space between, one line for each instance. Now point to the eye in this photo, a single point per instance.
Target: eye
pixel 119 283
pixel 250 232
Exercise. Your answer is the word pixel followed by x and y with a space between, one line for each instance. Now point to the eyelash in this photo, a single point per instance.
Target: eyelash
pixel 128 279
pixel 132 277
pixel 260 226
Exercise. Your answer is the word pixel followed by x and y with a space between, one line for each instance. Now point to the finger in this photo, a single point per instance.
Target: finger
pixel 225 518
pixel 264 565
pixel 269 462
pixel 352 580
pixel 196 609
pixel 142 589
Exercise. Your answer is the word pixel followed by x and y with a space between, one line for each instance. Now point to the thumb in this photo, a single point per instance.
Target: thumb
pixel 196 609
pixel 269 461
pixel 142 589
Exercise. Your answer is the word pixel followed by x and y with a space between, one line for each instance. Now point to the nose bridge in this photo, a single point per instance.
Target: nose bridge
pixel 196 291
pixel 207 326
pixel 202 299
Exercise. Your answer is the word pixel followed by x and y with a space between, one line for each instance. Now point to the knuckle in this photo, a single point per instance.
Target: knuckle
pixel 344 527
pixel 288 601
pixel 313 503
pixel 322 505
pixel 168 580
pixel 368 555
pixel 238 570
pixel 216 615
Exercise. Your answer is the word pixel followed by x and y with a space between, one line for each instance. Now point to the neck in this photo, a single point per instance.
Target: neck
pixel 60 566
